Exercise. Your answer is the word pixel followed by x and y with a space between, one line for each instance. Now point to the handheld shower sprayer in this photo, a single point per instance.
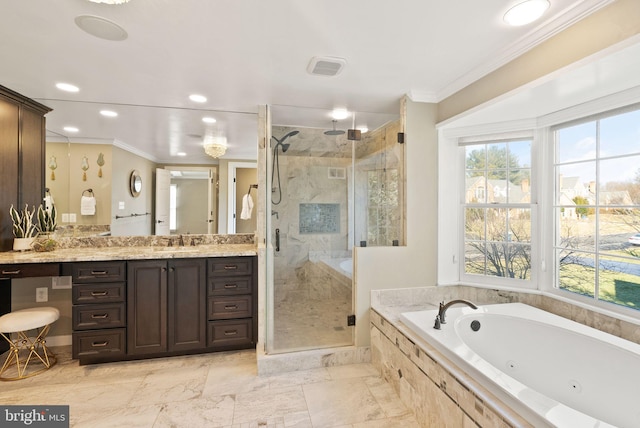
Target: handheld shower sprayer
pixel 276 164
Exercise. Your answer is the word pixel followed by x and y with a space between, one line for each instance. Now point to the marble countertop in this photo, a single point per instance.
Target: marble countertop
pixel 81 254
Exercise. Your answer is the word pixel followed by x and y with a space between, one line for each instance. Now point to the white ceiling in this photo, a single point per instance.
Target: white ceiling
pixel 245 53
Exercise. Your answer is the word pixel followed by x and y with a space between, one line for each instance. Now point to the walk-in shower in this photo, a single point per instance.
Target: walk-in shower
pixel 325 189
pixel 275 167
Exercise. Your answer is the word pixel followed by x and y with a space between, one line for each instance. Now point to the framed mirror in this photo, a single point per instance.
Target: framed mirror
pixel 135 183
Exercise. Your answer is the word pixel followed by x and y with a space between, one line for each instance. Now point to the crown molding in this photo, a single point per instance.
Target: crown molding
pixel 538 35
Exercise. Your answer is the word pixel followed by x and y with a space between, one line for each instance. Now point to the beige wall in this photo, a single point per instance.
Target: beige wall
pixel 192 205
pixel 604 28
pixel 126 162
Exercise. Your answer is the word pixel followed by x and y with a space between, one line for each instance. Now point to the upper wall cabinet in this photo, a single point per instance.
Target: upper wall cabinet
pixel 22 138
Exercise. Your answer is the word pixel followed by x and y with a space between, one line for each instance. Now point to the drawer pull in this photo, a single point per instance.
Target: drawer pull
pixel 100 344
pixel 231 332
pixel 231 307
pixel 231 286
pixel 98 272
pixel 11 272
pixel 99 293
pixel 99 316
pixel 231 267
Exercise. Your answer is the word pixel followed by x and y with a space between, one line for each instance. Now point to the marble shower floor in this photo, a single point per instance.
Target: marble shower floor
pixel 211 390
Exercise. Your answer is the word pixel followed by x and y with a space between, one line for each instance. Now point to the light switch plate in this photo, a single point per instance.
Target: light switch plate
pixel 72 217
pixel 121 205
pixel 60 282
pixel 42 294
pixel 65 217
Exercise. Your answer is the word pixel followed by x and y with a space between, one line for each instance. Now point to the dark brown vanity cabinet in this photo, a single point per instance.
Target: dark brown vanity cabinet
pixel 22 152
pixel 99 309
pixel 232 302
pixel 166 306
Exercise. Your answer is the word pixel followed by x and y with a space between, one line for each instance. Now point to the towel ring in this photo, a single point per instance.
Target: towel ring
pixel 88 190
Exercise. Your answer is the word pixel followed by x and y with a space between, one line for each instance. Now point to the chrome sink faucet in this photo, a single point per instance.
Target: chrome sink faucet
pixel 442 309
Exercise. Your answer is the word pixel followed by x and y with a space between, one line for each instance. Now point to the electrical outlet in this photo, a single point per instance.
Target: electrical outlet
pixel 65 217
pixel 72 217
pixel 42 294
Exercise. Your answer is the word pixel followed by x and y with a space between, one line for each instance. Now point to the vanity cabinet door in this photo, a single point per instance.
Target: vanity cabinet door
pixel 187 304
pixel 146 307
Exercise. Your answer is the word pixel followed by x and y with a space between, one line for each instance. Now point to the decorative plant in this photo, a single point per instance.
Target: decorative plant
pixel 23 226
pixel 47 219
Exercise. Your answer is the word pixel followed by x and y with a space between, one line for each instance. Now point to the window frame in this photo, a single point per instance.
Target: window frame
pixel 549 168
pixel 483 279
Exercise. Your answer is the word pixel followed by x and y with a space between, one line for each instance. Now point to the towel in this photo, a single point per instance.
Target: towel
pixel 48 203
pixel 247 207
pixel 88 205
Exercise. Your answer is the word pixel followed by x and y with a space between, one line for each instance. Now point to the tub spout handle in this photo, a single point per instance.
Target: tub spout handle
pixel 437 324
pixel 442 310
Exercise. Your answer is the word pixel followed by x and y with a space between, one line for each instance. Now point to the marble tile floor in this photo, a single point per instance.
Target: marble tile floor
pixel 304 323
pixel 211 390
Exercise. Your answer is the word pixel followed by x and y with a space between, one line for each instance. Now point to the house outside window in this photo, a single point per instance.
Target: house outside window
pixel 497 209
pixel 597 208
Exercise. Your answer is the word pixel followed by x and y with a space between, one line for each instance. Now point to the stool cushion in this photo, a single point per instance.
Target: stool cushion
pixel 28 319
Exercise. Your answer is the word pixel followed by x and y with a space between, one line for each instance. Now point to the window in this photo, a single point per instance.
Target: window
pixel 597 208
pixel 497 209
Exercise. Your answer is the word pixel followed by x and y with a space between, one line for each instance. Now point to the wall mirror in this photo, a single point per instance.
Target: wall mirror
pixel 135 183
pixel 117 158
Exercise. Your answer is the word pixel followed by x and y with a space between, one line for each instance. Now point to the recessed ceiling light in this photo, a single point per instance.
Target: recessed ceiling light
pixel 110 1
pixel 108 113
pixel 526 12
pixel 181 154
pixel 67 87
pixel 208 120
pixel 339 113
pixel 71 129
pixel 101 27
pixel 363 129
pixel 198 98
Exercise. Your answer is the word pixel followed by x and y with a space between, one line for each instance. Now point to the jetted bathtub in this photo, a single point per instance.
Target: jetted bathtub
pixel 569 374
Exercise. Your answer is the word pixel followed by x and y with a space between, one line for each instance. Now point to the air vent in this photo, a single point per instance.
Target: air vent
pixel 326 66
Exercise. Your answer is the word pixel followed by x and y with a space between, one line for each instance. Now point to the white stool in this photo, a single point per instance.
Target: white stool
pixel 23 349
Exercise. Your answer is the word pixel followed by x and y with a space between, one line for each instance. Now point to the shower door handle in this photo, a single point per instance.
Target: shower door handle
pixel 277 239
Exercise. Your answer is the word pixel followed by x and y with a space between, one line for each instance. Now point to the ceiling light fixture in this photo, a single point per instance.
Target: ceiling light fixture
pixel 198 98
pixel 71 129
pixel 363 129
pixel 110 1
pixel 108 113
pixel 208 120
pixel 339 114
pixel 526 12
pixel 215 146
pixel 67 87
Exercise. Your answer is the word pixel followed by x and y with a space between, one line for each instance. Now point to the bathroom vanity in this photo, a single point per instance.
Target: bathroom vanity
pixel 145 302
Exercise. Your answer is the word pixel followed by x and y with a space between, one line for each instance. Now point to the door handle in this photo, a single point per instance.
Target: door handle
pixel 159 221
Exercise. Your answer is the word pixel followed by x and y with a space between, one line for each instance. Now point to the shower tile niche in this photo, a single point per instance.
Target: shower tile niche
pixel 319 218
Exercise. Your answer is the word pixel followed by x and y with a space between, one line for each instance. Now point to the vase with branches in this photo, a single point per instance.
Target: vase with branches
pixel 24 229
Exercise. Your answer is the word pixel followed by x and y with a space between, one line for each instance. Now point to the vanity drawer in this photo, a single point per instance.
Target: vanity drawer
pixel 86 317
pixel 230 266
pixel 229 307
pixel 96 271
pixel 228 286
pixel 98 293
pixel 29 270
pixel 230 333
pixel 99 343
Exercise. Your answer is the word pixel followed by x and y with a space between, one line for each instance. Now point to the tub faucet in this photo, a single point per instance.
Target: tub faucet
pixel 440 318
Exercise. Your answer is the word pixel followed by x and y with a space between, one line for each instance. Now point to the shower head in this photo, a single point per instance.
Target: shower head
pixel 334 131
pixel 281 141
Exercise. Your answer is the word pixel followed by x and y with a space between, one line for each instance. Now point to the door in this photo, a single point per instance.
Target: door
pixel 146 307
pixel 187 304
pixel 163 182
